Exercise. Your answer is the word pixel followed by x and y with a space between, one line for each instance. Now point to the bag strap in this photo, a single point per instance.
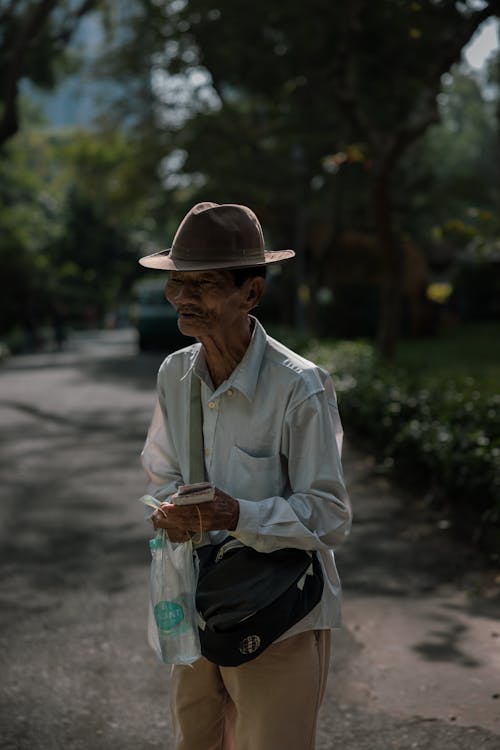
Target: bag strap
pixel 196 451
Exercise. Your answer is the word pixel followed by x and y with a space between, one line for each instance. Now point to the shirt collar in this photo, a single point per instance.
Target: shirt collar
pixel 245 375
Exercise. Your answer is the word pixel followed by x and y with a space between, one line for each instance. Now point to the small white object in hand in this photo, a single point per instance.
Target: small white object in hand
pixel 150 500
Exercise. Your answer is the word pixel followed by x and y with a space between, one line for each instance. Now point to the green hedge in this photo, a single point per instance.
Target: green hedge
pixel 437 435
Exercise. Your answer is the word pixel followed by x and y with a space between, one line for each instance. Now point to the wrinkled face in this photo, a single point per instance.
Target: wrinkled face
pixel 207 302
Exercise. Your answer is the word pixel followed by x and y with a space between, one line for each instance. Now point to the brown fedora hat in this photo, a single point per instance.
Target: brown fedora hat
pixel 213 236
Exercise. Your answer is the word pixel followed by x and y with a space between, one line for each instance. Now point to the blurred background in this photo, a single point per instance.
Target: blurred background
pixel 365 135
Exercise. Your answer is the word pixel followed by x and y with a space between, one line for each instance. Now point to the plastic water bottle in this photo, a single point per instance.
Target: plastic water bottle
pixel 177 632
pixel 173 587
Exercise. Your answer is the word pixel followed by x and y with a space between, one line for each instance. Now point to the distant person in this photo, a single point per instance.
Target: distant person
pixel 59 326
pixel 31 326
pixel 272 439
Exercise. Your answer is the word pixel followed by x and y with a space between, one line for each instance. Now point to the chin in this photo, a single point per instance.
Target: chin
pixel 190 327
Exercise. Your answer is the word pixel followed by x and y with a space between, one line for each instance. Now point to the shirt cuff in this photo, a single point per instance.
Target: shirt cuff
pixel 248 521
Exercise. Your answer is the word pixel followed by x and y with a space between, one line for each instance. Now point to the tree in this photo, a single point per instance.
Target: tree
pixel 276 88
pixel 73 220
pixel 30 222
pixel 452 173
pixel 33 39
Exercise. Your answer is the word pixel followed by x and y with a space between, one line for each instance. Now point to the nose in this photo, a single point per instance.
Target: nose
pixel 180 291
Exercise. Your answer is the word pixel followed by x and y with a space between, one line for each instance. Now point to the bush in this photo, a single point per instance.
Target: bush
pixel 441 436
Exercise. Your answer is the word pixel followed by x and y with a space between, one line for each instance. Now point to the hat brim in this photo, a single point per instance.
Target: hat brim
pixel 163 261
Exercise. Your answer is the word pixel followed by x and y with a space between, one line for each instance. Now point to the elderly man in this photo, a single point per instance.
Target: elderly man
pixel 272 437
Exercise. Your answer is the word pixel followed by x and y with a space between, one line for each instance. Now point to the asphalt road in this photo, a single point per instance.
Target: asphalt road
pixel 417 664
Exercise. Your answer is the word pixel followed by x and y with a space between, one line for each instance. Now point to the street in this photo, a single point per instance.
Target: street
pixel 416 665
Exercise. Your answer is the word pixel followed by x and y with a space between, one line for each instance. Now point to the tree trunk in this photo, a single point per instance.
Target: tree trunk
pixel 389 323
pixel 32 26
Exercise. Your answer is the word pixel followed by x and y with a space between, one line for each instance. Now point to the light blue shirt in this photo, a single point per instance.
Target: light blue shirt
pixel 272 438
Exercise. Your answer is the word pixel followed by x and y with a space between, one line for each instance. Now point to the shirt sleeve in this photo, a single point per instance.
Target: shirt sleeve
pixel 317 514
pixel 159 458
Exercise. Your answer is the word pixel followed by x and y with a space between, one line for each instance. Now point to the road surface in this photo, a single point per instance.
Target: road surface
pixel 416 665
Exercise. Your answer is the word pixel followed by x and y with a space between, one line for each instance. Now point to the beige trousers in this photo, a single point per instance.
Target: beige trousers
pixel 269 703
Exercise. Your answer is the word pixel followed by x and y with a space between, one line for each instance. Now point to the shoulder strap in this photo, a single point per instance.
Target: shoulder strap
pixel 196 451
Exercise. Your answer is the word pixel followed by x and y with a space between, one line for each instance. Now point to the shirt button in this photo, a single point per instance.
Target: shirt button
pixel 212 404
pixel 207 451
pixel 230 392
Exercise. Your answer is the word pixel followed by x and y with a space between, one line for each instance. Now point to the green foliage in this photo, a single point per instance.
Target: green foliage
pixel 288 108
pixel 71 226
pixel 33 45
pixel 30 221
pixel 476 292
pixel 464 350
pixel 449 181
pixel 91 260
pixel 437 434
pixel 259 80
pixel 303 112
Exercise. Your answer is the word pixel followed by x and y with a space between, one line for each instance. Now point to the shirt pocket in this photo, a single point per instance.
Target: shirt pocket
pixel 253 477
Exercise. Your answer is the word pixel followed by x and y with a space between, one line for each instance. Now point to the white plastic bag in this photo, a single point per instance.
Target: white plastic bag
pixel 173 621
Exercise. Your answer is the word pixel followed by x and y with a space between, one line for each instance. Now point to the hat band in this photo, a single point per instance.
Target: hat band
pixel 234 255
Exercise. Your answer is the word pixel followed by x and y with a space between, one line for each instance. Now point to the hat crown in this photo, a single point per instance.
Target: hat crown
pixel 219 232
pixel 214 236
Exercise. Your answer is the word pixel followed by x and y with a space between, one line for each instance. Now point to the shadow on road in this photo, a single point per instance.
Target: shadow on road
pixel 74 560
pixel 401 551
pixel 444 644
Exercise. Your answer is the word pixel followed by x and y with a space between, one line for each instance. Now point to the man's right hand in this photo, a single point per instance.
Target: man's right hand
pixel 173 532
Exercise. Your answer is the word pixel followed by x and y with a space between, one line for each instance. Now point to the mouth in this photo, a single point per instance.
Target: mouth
pixel 189 313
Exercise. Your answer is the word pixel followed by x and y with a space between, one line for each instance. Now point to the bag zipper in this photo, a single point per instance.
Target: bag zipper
pixel 232 544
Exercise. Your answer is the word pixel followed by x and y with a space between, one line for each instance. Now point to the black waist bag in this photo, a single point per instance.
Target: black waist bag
pixel 247 599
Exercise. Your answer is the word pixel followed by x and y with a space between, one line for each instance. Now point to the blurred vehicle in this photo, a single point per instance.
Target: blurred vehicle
pixel 154 319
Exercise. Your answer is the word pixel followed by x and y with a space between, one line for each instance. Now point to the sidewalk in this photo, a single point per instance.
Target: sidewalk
pixel 418 659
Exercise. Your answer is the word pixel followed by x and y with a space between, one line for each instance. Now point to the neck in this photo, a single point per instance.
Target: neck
pixel 224 352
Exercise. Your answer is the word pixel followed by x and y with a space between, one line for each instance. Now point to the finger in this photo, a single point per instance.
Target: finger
pixel 159 520
pixel 168 518
pixel 187 517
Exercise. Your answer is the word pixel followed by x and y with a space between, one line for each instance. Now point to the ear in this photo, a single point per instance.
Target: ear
pixel 253 291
